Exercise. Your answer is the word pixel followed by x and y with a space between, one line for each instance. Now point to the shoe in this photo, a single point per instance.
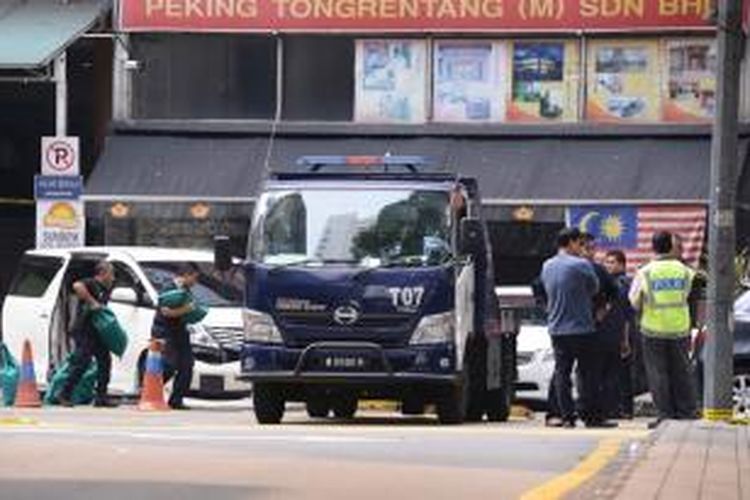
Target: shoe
pixel 655 423
pixel 63 401
pixel 552 421
pixel 601 424
pixel 179 406
pixel 105 403
pixel 568 424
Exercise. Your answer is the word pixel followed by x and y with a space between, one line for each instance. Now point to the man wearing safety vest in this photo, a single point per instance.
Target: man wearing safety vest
pixel 660 293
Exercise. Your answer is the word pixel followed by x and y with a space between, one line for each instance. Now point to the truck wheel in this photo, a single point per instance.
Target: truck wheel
pixel 345 406
pixel 318 407
pixel 452 406
pixel 498 403
pixel 268 403
pixel 412 407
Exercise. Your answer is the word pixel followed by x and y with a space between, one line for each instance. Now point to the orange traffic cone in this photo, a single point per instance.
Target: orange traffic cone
pixel 27 395
pixel 152 392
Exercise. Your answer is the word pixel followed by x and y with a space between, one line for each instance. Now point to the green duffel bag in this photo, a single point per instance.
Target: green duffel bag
pixel 196 315
pixel 9 374
pixel 109 329
pixel 83 392
pixel 174 298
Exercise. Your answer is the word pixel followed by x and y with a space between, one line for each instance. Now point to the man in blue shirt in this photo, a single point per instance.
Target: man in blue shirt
pixel 570 284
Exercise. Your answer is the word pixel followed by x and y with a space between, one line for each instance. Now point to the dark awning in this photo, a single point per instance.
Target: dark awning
pixel 511 170
pixel 33 32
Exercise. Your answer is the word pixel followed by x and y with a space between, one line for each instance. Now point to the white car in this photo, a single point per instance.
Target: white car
pixel 40 306
pixel 534 358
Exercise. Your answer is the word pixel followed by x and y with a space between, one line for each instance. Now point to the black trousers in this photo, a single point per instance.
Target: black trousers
pixel 570 350
pixel 178 357
pixel 88 345
pixel 609 379
pixel 669 376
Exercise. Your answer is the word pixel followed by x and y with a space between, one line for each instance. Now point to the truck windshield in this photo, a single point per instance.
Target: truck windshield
pixel 370 227
pixel 213 289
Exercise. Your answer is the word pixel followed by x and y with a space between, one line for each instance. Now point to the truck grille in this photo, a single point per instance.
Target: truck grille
pixel 365 321
pixel 229 338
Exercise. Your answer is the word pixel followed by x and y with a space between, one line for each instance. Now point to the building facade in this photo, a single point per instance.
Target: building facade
pixel 556 105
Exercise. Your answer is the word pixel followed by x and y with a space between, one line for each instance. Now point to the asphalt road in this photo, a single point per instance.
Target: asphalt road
pixel 219 452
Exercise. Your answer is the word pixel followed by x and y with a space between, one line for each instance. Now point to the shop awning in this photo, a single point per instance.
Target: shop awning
pixel 33 32
pixel 552 171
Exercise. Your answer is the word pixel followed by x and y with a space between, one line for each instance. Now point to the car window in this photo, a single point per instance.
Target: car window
pixel 34 275
pixel 213 289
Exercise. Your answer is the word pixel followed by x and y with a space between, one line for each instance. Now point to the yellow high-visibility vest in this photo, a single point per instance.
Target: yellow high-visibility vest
pixel 666 287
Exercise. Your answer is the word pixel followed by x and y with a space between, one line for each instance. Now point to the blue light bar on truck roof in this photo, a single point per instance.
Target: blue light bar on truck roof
pixel 315 163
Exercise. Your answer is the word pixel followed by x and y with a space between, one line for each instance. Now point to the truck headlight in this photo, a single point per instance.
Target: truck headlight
pixel 260 327
pixel 434 329
pixel 200 337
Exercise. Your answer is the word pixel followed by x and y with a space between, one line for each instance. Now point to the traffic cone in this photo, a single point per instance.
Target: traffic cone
pixel 152 392
pixel 27 395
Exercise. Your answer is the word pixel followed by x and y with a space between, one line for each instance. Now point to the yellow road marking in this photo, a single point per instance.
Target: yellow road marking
pixel 18 421
pixel 565 483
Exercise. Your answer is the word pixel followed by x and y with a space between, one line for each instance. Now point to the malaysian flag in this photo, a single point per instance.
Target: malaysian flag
pixel 630 228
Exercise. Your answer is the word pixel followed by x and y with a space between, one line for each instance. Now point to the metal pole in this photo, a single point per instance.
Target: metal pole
pixel 61 96
pixel 721 239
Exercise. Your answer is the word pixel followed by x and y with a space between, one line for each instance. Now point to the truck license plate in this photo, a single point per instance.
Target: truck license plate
pixel 349 362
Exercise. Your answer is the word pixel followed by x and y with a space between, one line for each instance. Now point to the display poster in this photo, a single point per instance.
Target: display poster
pixel 623 81
pixel 391 81
pixel 545 82
pixel 690 76
pixel 60 223
pixel 469 81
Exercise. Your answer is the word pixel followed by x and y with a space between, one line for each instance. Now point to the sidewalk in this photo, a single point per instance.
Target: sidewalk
pixel 692 460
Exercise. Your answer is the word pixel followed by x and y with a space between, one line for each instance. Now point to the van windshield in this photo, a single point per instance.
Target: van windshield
pixel 213 289
pixel 368 227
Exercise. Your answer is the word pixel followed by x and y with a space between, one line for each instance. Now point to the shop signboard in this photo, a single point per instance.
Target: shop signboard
pixel 413 15
pixel 60 219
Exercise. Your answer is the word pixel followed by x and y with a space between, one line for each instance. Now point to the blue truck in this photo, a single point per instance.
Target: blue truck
pixel 372 278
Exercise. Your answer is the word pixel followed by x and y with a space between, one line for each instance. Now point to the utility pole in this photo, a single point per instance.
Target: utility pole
pixel 721 237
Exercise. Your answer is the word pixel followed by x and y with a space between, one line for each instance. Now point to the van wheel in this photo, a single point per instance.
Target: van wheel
pixel 317 407
pixel 453 404
pixel 345 406
pixel 268 403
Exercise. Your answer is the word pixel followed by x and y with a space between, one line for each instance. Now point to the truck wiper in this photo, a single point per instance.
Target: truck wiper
pixel 305 262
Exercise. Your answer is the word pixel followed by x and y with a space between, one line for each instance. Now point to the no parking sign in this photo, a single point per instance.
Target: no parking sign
pixel 60 156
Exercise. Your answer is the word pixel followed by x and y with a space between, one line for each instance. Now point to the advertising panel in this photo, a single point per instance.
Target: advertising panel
pixel 60 223
pixel 391 81
pixel 623 81
pixel 690 75
pixel 545 82
pixel 411 15
pixel 470 81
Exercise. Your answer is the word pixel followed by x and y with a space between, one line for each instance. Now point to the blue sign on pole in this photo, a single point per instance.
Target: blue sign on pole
pixel 58 187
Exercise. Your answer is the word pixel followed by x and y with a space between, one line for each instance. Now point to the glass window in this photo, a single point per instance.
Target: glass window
pixel 470 80
pixel 371 227
pixel 34 275
pixel 204 76
pixel 318 78
pixel 623 81
pixel 691 80
pixel 545 82
pixel 391 81
pixel 213 289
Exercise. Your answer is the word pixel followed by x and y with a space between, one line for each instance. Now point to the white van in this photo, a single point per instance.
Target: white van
pixel 40 306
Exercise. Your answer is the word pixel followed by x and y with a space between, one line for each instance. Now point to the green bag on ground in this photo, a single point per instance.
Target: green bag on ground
pixel 83 392
pixel 109 329
pixel 9 374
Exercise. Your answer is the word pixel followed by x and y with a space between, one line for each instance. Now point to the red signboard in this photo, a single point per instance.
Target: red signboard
pixel 413 15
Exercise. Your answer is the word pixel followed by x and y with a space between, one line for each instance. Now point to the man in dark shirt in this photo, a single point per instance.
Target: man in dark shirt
pixel 93 293
pixel 169 326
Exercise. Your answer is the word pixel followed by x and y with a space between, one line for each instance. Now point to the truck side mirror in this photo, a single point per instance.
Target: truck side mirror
pixel 222 253
pixel 471 239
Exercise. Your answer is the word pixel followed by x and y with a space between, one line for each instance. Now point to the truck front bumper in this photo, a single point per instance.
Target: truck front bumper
pixel 349 363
